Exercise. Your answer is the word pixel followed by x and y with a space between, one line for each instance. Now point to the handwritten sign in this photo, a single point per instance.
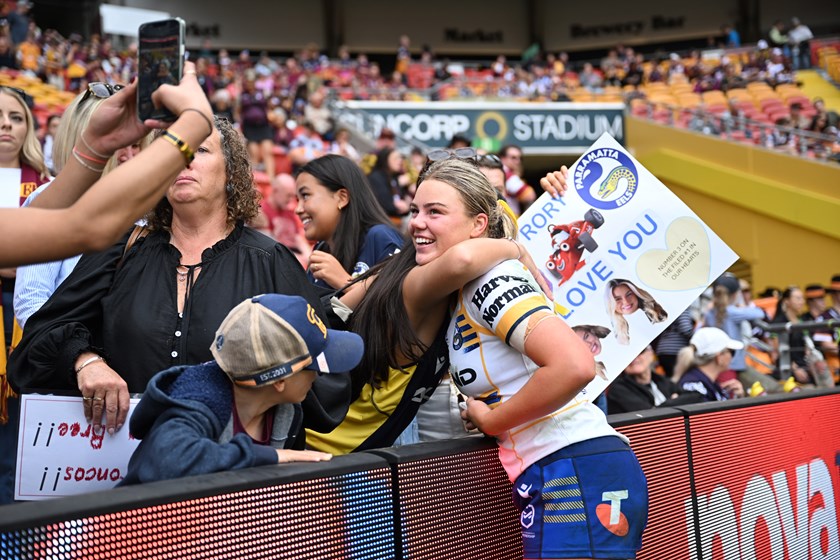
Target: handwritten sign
pixel 624 255
pixel 61 454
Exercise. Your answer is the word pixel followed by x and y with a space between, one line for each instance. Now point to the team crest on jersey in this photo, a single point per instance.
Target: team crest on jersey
pixel 465 335
pixel 606 178
pixel 526 518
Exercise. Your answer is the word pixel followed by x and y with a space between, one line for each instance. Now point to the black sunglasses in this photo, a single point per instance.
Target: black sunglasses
pixel 101 90
pixel 25 97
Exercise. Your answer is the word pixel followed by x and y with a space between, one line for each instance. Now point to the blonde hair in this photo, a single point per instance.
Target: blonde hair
pixel 688 358
pixel 653 311
pixel 477 194
pixel 30 153
pixel 73 123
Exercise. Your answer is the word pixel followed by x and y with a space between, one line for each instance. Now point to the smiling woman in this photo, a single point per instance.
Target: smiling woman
pixel 623 297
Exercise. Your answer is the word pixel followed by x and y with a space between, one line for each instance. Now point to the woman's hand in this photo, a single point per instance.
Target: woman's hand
pixel 525 258
pixel 103 391
pixel 555 182
pixel 734 388
pixel 476 416
pixel 325 267
pixel 186 95
pixel 307 456
pixel 114 124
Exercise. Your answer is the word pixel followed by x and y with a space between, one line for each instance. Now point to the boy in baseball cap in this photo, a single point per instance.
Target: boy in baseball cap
pixel 242 409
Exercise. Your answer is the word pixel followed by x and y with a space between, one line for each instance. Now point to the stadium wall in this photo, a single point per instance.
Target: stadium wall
pixel 741 480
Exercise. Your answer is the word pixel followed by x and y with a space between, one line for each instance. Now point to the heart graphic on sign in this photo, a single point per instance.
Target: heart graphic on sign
pixel 685 262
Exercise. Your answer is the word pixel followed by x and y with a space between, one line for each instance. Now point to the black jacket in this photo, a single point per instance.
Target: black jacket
pixel 129 315
pixel 625 395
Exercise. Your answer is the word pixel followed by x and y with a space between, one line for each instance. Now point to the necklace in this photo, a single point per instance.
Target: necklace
pixel 182 274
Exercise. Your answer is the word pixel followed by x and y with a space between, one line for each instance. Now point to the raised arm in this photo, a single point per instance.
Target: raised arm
pixel 102 214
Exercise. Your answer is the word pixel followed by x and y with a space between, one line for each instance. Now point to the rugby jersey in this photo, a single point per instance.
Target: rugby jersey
pixel 487 361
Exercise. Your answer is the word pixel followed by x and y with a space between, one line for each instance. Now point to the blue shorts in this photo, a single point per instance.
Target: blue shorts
pixel 587 500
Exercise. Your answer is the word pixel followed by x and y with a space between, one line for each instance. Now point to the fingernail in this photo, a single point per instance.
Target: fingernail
pixel 119 427
pixel 111 431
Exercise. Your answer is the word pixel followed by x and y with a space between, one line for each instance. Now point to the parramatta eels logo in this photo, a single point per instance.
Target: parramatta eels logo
pixel 606 178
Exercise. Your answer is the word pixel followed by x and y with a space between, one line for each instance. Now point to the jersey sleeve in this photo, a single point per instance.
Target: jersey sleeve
pixel 506 301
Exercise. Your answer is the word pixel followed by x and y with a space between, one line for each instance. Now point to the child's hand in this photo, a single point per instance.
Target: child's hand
pixel 295 456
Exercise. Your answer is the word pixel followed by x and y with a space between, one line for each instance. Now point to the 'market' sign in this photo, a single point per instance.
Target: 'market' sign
pixel 539 128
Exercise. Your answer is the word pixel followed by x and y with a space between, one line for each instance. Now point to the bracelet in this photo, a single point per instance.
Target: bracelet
pixel 182 146
pixel 518 248
pixel 89 158
pixel 203 116
pixel 94 152
pixel 88 362
pixel 84 164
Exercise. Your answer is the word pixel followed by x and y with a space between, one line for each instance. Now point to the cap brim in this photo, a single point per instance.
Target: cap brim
pixel 343 352
pixel 735 345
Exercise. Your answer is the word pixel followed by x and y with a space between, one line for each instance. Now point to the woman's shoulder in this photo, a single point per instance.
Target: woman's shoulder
pixel 384 233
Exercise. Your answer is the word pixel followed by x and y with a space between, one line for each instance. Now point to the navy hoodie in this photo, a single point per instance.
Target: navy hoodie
pixel 185 422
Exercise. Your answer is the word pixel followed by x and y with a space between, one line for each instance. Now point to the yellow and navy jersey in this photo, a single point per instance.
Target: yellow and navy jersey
pixel 486 341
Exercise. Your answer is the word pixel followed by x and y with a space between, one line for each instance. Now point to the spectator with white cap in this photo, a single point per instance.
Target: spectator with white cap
pixel 708 355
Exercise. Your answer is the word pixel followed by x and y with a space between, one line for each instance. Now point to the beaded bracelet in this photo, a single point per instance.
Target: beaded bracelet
pixel 182 146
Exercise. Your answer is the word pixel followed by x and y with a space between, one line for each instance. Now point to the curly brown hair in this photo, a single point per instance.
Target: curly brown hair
pixel 243 198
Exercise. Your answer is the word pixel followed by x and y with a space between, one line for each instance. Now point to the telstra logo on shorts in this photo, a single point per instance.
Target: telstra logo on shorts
pixel 610 514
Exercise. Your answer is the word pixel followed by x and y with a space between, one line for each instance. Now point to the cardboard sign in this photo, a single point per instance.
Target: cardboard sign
pixel 624 256
pixel 10 188
pixel 60 454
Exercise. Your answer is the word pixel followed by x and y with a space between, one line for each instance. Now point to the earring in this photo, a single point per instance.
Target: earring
pixel 340 207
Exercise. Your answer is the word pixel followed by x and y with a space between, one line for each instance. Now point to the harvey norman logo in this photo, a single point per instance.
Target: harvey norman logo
pixel 798 515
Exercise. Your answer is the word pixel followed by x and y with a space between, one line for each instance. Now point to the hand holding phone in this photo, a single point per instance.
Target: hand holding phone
pixel 160 61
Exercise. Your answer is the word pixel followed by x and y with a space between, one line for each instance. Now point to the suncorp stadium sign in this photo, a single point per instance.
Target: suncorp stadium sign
pixel 540 128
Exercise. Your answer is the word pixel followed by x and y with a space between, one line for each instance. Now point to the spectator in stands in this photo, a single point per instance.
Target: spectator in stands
pixel 778 38
pixel 819 106
pixel 458 141
pixel 341 146
pixel 317 113
pixel 305 146
pixel 797 119
pixel 243 408
pixel 590 79
pixel 107 329
pixel 790 307
pixel 624 298
pixel 639 387
pixel 800 39
pixel 222 104
pixel 340 214
pixel 701 363
pixel 19 21
pixel 29 55
pixel 814 302
pixel 494 170
pixel 674 338
pixel 519 194
pixel 390 183
pixel 278 220
pixel 8 58
pixel 732 39
pixel 251 112
pixel 830 341
pixel 53 121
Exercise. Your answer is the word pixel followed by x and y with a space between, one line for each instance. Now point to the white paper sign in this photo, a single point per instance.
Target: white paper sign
pixel 624 255
pixel 60 454
pixel 10 188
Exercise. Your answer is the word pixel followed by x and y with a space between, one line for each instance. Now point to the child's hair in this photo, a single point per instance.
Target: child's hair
pixel 653 311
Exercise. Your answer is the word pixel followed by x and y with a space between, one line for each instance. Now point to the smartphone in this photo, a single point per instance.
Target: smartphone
pixel 160 55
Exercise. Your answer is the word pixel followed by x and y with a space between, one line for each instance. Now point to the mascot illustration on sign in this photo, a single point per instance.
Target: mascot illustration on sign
pixel 568 241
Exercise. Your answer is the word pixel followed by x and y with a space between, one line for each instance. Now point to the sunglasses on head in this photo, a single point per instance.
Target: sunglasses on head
pixel 25 97
pixel 101 90
pixel 489 161
pixel 465 154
